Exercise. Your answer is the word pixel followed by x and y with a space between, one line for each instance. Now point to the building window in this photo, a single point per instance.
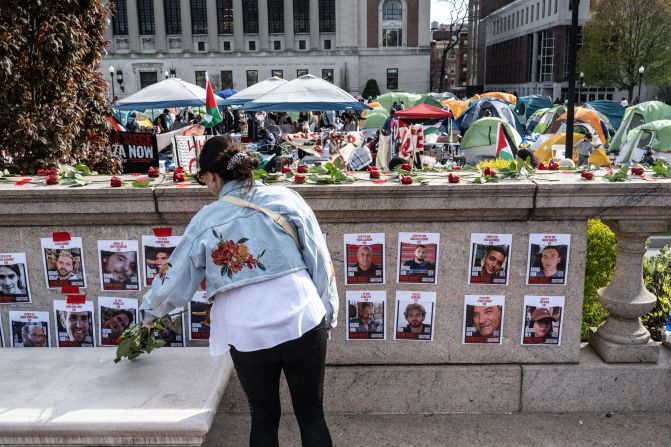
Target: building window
pixel 201 46
pixel 543 15
pixel 327 16
pixel 532 13
pixel 201 80
pixel 392 78
pixel 145 16
pixel 538 10
pixel 148 78
pixel 327 44
pixel 301 72
pixel 301 16
pixel 302 45
pixel 173 17
pixel 527 21
pixel 199 16
pixel 392 23
pixel 120 18
pixel 277 73
pixel 546 56
pixel 250 16
pixel 275 16
pixel 225 16
pixel 226 79
pixel 227 45
pixel 556 1
pixel 277 45
pixel 252 45
pixel 252 77
pixel 327 74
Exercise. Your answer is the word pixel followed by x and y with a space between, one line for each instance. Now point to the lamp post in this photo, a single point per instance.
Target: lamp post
pixel 582 80
pixel 572 50
pixel 112 82
pixel 641 70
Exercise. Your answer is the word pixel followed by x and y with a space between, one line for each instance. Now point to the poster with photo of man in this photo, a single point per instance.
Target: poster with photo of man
pixel 548 258
pixel 417 258
pixel 365 314
pixel 483 319
pixel 29 329
pixel 155 253
pixel 14 283
pixel 74 324
pixel 63 262
pixel 173 329
pixel 199 316
pixel 364 258
pixel 116 315
pixel 489 258
pixel 415 314
pixel 119 267
pixel 542 320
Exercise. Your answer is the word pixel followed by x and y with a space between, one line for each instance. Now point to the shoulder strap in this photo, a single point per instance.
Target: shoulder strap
pixel 276 217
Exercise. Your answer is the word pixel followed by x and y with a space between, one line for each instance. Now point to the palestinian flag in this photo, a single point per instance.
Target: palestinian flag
pixel 213 117
pixel 503 149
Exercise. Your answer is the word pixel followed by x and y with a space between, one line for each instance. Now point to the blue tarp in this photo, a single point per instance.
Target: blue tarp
pixel 527 105
pixel 226 93
pixel 613 111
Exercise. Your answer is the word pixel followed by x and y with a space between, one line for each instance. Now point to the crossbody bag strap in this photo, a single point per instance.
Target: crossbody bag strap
pixel 275 216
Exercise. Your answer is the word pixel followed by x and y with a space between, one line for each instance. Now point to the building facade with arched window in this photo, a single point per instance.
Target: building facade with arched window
pixel 241 42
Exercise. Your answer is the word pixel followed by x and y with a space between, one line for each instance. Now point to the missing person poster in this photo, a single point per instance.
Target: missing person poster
pixel 418 258
pixel 415 314
pixel 548 258
pixel 365 314
pixel 119 270
pixel 74 324
pixel 173 329
pixel 29 329
pixel 155 253
pixel 14 284
pixel 488 261
pixel 542 320
pixel 63 262
pixel 199 316
pixel 364 257
pixel 483 319
pixel 116 315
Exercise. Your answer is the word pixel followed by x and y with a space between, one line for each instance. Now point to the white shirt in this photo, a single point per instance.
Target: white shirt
pixel 263 315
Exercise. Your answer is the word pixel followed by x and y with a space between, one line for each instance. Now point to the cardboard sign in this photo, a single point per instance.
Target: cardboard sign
pixel 137 150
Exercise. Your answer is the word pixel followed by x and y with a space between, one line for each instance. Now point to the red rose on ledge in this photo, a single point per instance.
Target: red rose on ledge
pixel 115 182
pixel 178 177
pixel 153 172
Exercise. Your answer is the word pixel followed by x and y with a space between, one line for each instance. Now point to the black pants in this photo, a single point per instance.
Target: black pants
pixel 302 361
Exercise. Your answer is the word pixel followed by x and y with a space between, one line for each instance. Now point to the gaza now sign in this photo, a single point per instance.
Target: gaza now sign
pixel 137 150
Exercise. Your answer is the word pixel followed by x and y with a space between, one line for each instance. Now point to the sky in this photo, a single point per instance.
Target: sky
pixel 440 10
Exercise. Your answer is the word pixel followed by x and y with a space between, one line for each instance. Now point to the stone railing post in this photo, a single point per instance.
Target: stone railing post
pixel 622 337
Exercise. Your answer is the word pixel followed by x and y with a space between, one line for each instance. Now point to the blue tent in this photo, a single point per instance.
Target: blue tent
pixel 613 111
pixel 226 93
pixel 485 107
pixel 527 105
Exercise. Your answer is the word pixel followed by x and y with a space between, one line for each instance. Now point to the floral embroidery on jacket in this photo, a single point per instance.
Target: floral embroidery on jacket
pixel 234 256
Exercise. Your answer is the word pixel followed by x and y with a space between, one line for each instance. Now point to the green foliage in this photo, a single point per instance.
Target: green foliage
pixel 657 279
pixel 371 89
pixel 622 36
pixel 137 340
pixel 599 267
pixel 52 104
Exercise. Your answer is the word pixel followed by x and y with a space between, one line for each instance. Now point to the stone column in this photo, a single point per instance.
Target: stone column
pixel 238 31
pixel 212 29
pixel 159 26
pixel 187 36
pixel 622 338
pixel 314 24
pixel 362 18
pixel 534 58
pixel 289 24
pixel 133 26
pixel 264 41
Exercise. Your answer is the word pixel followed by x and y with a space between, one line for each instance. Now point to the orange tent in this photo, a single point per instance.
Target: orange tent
pixel 590 117
pixel 544 151
pixel 512 99
pixel 456 106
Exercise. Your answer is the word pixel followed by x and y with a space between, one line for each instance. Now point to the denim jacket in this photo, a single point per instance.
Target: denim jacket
pixel 230 246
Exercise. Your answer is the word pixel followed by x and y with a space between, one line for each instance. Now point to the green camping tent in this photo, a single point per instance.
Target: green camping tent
pixel 388 99
pixel 636 116
pixel 479 141
pixel 427 99
pixel 656 135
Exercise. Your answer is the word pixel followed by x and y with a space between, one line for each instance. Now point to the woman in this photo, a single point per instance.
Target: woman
pixel 273 301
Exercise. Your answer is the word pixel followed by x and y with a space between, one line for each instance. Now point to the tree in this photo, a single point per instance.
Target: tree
pixel 456 22
pixel 52 100
pixel 371 89
pixel 622 36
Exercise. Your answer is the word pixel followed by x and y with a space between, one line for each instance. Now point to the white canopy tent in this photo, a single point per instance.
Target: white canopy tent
pixel 305 94
pixel 255 91
pixel 168 93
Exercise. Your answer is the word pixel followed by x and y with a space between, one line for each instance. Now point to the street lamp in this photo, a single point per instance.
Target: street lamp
pixel 582 80
pixel 112 79
pixel 641 70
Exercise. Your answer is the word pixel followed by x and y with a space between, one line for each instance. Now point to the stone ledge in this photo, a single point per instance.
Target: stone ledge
pixel 80 397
